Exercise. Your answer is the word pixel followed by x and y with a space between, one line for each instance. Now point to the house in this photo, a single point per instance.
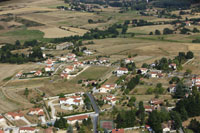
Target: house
pixel 87 52
pixel 36 111
pixel 71 55
pixel 69 69
pixel 172 66
pixel 64 75
pixel 38 73
pixel 19 74
pixel 107 88
pixel 80 118
pixel 172 88
pixel 167 126
pixel 27 130
pixel 148 108
pixel 128 60
pixel 71 100
pixel 90 82
pixel 49 62
pixel 156 103
pixel 118 131
pixel 187 23
pixel 1 131
pixel 71 59
pixel 156 74
pixel 49 69
pixel 63 58
pixel 110 100
pixel 78 64
pixel 103 60
pixel 196 81
pixel 14 115
pixel 121 71
pixel 2 119
pixel 142 71
pixel 64 45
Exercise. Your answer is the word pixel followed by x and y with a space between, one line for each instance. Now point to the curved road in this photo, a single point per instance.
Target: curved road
pixel 96 109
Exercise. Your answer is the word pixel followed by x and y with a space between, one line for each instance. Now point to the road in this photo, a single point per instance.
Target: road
pixel 96 109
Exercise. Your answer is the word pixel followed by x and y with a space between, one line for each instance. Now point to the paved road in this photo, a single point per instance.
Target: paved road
pixel 96 109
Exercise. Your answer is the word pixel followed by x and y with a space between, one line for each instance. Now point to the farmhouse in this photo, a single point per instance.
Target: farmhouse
pixel 73 120
pixel 196 81
pixel 148 108
pixel 64 45
pixel 156 103
pixel 36 111
pixel 27 130
pixel 107 88
pixel 14 115
pixel 19 74
pixel 110 100
pixel 155 74
pixel 121 71
pixel 103 60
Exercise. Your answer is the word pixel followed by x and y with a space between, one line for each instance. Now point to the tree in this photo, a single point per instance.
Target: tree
pixel 157 32
pixel 26 92
pixel 141 112
pixel 194 126
pixel 155 121
pixel 150 33
pixel 177 119
pixel 131 101
pixel 70 129
pixel 124 29
pixel 17 43
pixel 195 30
pixel 189 55
pixel 167 31
pixel 77 126
pixel 180 90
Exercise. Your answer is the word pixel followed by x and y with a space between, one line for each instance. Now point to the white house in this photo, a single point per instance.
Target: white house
pixel 27 130
pixel 63 58
pixel 71 55
pixel 36 111
pixel 14 115
pixel 49 69
pixel 121 71
pixel 38 73
pixel 49 62
pixel 69 69
pixel 107 88
pixel 72 100
pixel 110 100
pixel 2 119
pixel 73 120
pixel 143 70
pixel 172 88
pixel 128 60
pixel 87 52
pixel 19 74
pixel 78 64
pixel 172 66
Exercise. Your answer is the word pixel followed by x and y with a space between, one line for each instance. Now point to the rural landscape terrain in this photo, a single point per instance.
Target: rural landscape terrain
pixel 95 66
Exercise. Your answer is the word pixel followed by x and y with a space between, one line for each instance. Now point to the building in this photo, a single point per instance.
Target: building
pixel 72 100
pixel 69 69
pixel 27 130
pixel 128 60
pixel 71 55
pixel 78 64
pixel 121 71
pixel 2 119
pixel 19 75
pixel 87 52
pixel 148 108
pixel 14 115
pixel 49 69
pixel 172 66
pixel 110 100
pixel 64 45
pixel 118 131
pixel 64 75
pixel 107 88
pixel 155 74
pixel 49 62
pixel 156 103
pixel 73 120
pixel 38 73
pixel 172 88
pixel 142 71
pixel 36 111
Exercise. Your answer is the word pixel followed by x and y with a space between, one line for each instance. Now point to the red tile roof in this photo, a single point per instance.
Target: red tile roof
pixel 117 130
pixel 82 117
pixel 27 128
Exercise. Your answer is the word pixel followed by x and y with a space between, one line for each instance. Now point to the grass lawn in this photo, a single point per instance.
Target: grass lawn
pixel 94 72
pixel 24 34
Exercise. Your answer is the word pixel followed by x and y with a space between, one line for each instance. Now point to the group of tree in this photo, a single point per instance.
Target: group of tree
pixel 132 84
